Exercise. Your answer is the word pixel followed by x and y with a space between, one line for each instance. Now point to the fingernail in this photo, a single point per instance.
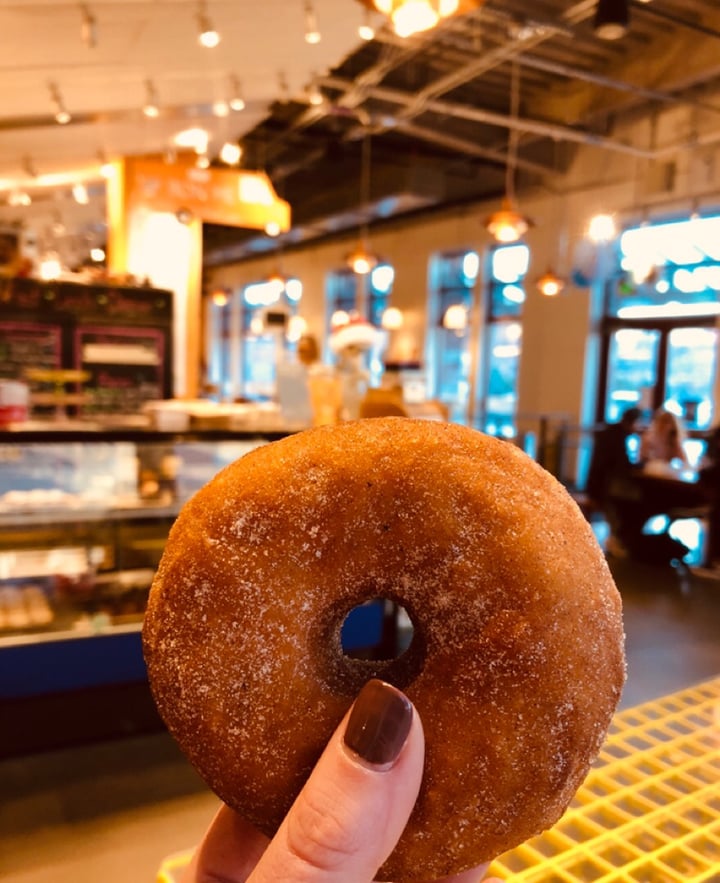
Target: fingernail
pixel 379 724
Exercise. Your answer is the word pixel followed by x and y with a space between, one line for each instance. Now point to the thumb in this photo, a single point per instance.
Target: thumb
pixel 355 805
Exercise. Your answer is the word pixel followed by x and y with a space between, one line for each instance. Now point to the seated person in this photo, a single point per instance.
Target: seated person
pixel 610 478
pixel 663 439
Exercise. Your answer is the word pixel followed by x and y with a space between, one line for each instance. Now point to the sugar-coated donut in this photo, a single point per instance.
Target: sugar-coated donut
pixel 516 662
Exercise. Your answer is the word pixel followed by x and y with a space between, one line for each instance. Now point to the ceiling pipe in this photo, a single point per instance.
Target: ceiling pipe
pixel 469 147
pixel 575 73
pixel 492 118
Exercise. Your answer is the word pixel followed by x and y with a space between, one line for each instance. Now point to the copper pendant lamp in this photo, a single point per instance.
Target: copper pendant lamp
pixel 508 224
pixel 550 284
pixel 414 16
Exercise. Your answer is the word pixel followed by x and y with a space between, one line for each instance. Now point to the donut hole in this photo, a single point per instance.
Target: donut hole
pixel 379 629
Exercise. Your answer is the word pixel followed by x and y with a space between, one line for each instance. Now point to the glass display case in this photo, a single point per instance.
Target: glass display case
pixel 83 521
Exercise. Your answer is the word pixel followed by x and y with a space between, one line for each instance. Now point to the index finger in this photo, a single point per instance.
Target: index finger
pixel 228 852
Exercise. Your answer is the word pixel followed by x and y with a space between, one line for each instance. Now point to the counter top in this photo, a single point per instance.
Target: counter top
pixel 88 432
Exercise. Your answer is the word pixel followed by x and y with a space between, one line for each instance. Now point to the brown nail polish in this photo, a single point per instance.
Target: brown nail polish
pixel 379 723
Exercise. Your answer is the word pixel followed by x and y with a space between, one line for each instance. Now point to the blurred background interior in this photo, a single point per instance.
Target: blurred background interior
pixel 221 222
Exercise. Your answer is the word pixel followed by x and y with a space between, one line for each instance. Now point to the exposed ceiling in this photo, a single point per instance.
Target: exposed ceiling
pixel 434 109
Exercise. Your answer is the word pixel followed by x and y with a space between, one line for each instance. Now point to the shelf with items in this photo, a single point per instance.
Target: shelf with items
pixel 84 517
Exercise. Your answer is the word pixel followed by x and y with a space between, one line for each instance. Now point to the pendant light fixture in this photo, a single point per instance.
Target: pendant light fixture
pixel 508 225
pixel 612 19
pixel 361 260
pixel 208 35
pixel 550 284
pixel 414 16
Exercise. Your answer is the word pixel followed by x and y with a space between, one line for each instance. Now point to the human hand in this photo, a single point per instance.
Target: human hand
pixel 349 815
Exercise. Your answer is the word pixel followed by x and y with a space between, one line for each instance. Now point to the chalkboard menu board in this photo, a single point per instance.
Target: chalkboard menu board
pixel 27 344
pixel 125 367
pixel 122 336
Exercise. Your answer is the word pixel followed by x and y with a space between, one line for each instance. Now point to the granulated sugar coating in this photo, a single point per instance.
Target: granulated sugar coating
pixel 516 663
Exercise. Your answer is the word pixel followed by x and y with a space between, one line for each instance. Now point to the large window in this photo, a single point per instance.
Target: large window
pixel 452 280
pixel 349 292
pixel 248 335
pixel 503 338
pixel 660 339
pixel 365 295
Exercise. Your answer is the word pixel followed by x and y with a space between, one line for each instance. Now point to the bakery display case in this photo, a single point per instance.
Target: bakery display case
pixel 84 516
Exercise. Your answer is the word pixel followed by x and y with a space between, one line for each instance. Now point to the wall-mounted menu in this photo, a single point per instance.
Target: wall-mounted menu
pixel 28 345
pixel 126 367
pixel 121 335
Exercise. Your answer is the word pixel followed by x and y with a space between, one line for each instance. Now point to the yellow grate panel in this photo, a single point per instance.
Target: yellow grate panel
pixel 648 811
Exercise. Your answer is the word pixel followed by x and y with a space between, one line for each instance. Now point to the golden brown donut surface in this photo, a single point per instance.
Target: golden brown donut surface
pixel 516 663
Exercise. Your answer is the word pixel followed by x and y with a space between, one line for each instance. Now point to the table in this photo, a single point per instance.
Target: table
pixel 647 812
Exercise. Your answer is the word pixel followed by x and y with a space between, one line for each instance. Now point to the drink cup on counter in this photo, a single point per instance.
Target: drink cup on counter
pixel 14 399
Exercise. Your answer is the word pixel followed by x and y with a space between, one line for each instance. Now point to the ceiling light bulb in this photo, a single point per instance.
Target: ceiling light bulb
pixel 107 170
pixel 18 197
pixel 392 319
pixel 80 194
pixel 455 318
pixel 361 261
pixel 507 225
pixel 207 35
pixel 220 108
pixel 194 139
pixel 230 153
pixel 237 102
pixel 550 284
pixel 150 108
pixel 365 29
pixel 314 95
pixel 97 255
pixel 312 32
pixel 602 228
pixel 413 17
pixel 88 27
pixel 612 19
pixel 209 38
pixel 62 115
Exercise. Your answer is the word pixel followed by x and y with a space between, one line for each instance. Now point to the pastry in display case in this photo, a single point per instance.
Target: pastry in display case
pixel 84 517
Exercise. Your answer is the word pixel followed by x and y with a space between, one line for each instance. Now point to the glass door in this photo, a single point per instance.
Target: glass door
pixel 669 364
pixel 690 374
pixel 632 371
